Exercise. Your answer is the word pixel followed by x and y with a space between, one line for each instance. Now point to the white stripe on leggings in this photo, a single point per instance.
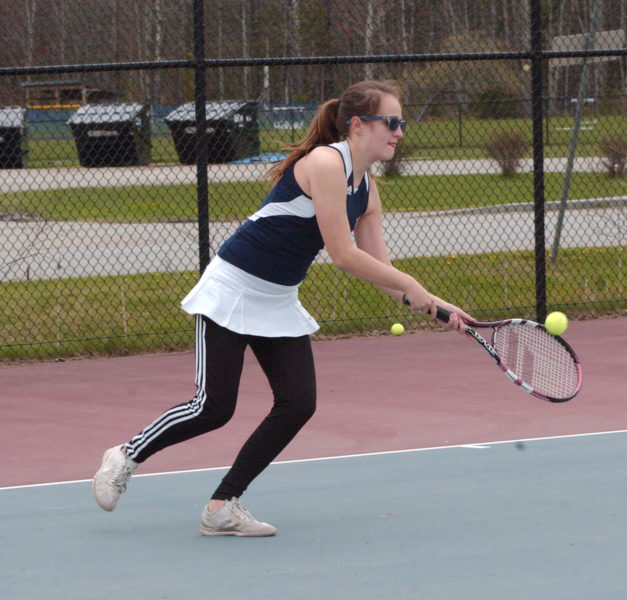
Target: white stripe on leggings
pixel 177 414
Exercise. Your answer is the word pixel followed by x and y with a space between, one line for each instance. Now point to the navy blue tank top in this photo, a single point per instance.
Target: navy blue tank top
pixel 280 241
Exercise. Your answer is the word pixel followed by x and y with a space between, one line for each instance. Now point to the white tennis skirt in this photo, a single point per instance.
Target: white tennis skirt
pixel 247 304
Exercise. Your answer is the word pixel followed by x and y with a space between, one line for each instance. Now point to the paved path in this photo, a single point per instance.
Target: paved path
pixel 18 180
pixel 49 250
pixel 82 177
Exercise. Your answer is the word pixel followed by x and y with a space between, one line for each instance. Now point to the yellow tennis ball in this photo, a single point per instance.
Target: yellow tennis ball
pixel 556 323
pixel 397 329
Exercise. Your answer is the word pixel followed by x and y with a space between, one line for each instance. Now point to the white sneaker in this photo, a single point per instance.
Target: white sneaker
pixel 233 519
pixel 110 480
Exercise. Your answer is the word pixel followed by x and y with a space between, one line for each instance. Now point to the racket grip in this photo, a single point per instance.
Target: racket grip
pixel 442 314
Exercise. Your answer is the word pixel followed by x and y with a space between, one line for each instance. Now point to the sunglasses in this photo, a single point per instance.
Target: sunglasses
pixel 393 122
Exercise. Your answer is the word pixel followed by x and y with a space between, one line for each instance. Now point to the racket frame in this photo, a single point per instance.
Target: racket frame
pixel 489 347
pixel 444 315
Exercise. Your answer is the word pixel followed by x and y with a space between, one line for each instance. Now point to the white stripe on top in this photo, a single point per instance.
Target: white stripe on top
pixel 302 206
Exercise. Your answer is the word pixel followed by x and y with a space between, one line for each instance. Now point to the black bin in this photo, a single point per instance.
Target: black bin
pixel 12 137
pixel 112 135
pixel 232 131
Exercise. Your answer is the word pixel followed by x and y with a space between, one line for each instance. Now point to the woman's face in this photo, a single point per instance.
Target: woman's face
pixel 382 141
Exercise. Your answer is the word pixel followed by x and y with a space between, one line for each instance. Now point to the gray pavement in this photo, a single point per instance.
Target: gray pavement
pixel 49 250
pixel 79 177
pixel 37 249
pixel 82 177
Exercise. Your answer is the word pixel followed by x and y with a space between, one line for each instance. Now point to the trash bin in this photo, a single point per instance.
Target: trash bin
pixel 12 137
pixel 232 131
pixel 112 135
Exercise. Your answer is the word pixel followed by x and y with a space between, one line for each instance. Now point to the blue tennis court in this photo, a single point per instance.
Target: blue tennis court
pixel 540 518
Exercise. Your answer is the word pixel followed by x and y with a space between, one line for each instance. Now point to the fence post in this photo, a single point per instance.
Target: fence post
pixel 547 124
pixel 538 156
pixel 200 99
pixel 460 124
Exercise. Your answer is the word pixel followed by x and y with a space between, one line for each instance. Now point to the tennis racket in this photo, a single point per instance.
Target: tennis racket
pixel 542 364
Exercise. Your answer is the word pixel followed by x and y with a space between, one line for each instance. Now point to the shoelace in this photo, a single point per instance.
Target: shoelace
pixel 121 477
pixel 240 511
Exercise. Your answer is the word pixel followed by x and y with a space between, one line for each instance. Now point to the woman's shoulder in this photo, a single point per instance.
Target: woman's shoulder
pixel 324 156
pixel 323 163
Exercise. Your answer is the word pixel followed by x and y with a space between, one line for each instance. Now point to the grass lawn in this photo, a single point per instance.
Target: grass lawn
pixel 45 319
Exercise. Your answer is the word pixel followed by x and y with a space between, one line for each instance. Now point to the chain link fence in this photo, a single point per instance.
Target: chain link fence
pixel 125 164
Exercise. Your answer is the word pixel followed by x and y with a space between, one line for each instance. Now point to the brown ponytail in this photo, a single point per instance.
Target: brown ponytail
pixel 329 124
pixel 322 130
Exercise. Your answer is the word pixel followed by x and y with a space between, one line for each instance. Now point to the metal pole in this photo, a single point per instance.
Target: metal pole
pixel 589 43
pixel 547 123
pixel 460 124
pixel 200 99
pixel 538 156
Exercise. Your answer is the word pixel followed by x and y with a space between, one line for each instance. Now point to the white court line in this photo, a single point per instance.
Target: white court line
pixel 478 445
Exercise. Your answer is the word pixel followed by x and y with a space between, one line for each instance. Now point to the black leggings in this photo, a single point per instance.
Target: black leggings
pixel 289 366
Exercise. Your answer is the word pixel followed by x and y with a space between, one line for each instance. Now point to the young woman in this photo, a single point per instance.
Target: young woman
pixel 248 296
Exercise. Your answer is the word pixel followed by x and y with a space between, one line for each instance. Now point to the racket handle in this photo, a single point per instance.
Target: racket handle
pixel 442 314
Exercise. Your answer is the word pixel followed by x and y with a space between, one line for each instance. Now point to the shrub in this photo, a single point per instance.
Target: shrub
pixel 615 151
pixel 507 149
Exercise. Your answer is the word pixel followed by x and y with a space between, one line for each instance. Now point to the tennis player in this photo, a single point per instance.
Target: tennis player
pixel 248 296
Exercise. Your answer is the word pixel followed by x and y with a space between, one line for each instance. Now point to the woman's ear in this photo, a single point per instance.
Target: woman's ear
pixel 356 125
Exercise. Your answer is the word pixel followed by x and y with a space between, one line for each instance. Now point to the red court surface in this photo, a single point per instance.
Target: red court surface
pixel 374 394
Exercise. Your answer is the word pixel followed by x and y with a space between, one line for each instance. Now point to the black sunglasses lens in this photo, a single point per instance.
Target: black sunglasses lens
pixel 394 123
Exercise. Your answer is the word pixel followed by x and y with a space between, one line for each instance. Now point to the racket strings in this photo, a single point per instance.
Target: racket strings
pixel 538 359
